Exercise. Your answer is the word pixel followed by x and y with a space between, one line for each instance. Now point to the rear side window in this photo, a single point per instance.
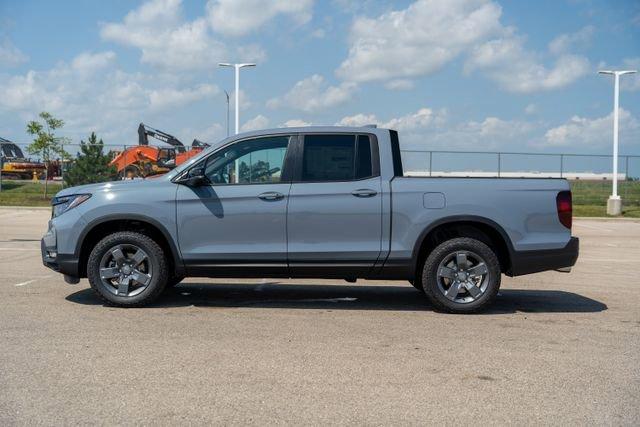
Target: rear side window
pixel 336 158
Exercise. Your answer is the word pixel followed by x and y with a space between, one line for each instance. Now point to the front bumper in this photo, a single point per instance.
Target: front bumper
pixel 62 263
pixel 527 262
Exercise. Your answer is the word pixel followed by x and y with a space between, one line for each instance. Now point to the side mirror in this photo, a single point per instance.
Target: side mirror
pixel 195 177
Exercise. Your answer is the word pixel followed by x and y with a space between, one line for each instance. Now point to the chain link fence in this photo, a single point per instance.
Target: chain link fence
pixel 588 172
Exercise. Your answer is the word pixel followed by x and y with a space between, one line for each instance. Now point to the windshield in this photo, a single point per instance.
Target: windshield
pixel 196 158
pixel 12 151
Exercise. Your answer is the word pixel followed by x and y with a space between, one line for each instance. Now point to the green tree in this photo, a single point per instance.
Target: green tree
pixel 45 144
pixel 91 165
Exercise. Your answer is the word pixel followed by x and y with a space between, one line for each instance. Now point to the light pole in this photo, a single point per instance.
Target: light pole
pixel 614 204
pixel 237 69
pixel 227 95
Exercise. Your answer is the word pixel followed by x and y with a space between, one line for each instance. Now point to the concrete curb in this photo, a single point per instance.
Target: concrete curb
pixel 604 218
pixel 27 208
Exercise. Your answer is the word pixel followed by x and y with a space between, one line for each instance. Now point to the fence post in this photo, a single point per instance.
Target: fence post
pixel 499 164
pixel 430 163
pixel 62 166
pixel 626 168
pixel 561 165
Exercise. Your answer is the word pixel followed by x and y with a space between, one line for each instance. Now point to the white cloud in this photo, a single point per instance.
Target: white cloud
pixel 171 97
pixel 429 34
pixel 566 42
pixel 159 31
pixel 399 84
pixel 422 119
pixel 314 94
pixel 506 61
pixel 210 134
pixel 107 100
pixel 240 17
pixel 492 133
pixel 320 33
pixel 418 40
pixel 580 132
pixel 428 129
pixel 256 123
pixel 295 123
pixel 250 53
pixel 245 102
pixel 358 120
pixel 531 109
pixel 10 55
pixel 87 62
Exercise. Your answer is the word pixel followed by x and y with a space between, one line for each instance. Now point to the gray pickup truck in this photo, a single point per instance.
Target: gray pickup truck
pixel 313 202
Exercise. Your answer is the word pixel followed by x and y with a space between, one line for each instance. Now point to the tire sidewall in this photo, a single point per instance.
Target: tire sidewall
pixel 156 259
pixel 430 275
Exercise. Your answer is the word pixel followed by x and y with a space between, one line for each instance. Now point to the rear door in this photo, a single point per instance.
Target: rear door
pixel 334 220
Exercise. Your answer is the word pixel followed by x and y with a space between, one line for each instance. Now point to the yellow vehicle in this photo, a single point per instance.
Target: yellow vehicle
pixel 15 165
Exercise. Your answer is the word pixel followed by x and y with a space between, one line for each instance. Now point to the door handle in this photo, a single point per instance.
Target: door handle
pixel 271 195
pixel 364 192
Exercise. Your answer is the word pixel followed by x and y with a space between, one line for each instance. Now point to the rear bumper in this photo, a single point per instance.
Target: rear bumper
pixel 527 262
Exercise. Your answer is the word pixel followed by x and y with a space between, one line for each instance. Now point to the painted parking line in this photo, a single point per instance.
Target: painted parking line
pixel 591 227
pixel 20 249
pixel 25 283
pixel 28 282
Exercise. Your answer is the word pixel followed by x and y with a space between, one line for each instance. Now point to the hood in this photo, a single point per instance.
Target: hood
pixel 128 184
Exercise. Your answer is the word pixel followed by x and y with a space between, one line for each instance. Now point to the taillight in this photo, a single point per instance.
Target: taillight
pixel 565 211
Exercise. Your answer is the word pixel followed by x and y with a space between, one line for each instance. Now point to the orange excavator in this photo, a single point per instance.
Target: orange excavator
pixel 145 160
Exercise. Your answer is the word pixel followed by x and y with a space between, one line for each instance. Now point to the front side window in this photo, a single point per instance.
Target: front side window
pixel 336 158
pixel 254 161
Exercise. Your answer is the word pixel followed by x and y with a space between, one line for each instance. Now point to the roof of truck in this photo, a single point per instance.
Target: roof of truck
pixel 303 129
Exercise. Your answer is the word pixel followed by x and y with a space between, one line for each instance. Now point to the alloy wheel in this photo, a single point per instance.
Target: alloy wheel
pixel 463 276
pixel 125 270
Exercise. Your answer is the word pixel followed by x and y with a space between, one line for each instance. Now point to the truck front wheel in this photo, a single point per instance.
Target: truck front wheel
pixel 461 275
pixel 127 269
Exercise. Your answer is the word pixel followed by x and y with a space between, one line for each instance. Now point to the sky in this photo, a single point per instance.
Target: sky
pixel 479 75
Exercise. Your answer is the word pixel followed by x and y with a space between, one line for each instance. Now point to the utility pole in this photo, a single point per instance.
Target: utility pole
pixel 227 95
pixel 614 204
pixel 237 75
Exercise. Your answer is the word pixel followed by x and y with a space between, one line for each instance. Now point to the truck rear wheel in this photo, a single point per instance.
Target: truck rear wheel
pixel 461 275
pixel 127 269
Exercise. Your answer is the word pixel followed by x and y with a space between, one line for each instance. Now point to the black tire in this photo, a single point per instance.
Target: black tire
pixel 430 278
pixel 156 259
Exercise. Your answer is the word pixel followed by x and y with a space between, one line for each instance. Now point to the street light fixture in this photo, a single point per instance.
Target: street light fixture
pixel 614 204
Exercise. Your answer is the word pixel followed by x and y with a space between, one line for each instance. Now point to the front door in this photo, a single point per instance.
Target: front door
pixel 335 207
pixel 236 226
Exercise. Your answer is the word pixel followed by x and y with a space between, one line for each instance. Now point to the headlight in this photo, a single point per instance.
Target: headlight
pixel 64 203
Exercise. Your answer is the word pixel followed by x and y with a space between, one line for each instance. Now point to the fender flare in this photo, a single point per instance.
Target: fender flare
pixel 175 253
pixel 454 219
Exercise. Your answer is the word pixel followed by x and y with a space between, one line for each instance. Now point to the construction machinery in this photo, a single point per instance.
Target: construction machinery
pixel 15 165
pixel 145 160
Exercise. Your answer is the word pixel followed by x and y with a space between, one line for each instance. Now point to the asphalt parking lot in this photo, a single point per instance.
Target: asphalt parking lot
pixel 556 348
